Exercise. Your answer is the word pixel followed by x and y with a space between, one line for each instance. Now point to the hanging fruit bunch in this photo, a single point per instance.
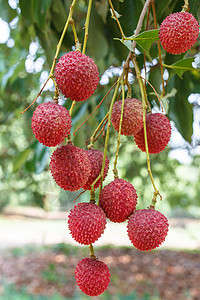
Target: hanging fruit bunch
pixel 76 77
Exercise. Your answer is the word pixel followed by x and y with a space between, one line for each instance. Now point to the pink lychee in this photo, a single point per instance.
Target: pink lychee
pixel 76 75
pixel 86 222
pixel 51 123
pixel 92 276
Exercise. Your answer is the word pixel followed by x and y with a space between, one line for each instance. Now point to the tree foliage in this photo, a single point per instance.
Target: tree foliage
pixel 35 27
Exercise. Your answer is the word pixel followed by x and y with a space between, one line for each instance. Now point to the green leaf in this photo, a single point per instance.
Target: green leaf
pixel 180 110
pixel 182 66
pixel 7 13
pixel 165 99
pixel 26 10
pixel 40 9
pixel 146 38
pixel 102 9
pixel 20 159
pixel 5 78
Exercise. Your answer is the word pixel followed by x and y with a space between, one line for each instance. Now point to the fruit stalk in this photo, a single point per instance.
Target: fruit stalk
pixel 144 102
pixel 159 48
pixel 116 19
pixel 108 130
pixel 140 21
pixel 87 26
pixel 115 171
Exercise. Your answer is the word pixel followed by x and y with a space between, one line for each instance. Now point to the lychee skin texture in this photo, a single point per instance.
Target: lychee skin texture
pixel 92 276
pixel 70 167
pixel 96 159
pixel 147 229
pixel 178 32
pixel 158 133
pixel 86 222
pixel 118 200
pixel 51 123
pixel 132 116
pixel 76 75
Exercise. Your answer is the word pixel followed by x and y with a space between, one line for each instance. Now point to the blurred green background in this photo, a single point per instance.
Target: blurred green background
pixel 30 31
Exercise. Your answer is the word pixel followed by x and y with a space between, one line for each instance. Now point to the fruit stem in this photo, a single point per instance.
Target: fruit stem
pixel 185 6
pixel 140 21
pixel 72 107
pixel 117 20
pixel 62 37
pixel 115 171
pixel 92 195
pixel 71 22
pixel 144 103
pixel 87 26
pixel 155 93
pixel 95 108
pixel 108 129
pixel 159 48
pixel 40 92
pixel 51 76
pixel 92 139
pixel 92 256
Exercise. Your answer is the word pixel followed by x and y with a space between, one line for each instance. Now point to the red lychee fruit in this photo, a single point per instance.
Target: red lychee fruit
pixel 51 123
pixel 76 75
pixel 158 133
pixel 147 229
pixel 70 167
pixel 86 222
pixel 118 200
pixel 132 116
pixel 92 276
pixel 96 159
pixel 178 32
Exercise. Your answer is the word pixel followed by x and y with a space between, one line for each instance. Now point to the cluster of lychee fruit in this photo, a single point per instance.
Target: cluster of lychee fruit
pixel 73 168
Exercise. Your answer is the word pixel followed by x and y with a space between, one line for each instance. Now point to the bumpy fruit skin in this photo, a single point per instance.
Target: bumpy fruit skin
pixel 178 32
pixel 96 159
pixel 76 75
pixel 51 123
pixel 147 229
pixel 70 167
pixel 158 133
pixel 132 116
pixel 118 200
pixel 86 222
pixel 92 276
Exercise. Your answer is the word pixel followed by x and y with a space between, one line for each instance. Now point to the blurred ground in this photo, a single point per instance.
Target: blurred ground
pixel 167 274
pixel 46 270
pixel 26 226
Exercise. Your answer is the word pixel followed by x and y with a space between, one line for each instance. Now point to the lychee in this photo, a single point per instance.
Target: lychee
pixel 132 116
pixel 86 222
pixel 96 159
pixel 92 276
pixel 51 123
pixel 178 32
pixel 70 167
pixel 158 133
pixel 76 75
pixel 147 229
pixel 118 200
